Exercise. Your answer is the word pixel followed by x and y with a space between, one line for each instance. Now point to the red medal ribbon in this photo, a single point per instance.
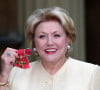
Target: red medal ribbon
pixel 22 60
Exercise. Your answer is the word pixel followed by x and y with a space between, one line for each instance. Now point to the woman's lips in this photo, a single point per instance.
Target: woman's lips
pixel 50 51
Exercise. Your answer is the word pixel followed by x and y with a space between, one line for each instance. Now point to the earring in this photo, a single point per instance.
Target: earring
pixel 34 49
pixel 68 47
pixel 68 51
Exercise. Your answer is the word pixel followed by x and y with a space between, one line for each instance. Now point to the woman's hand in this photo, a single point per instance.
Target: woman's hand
pixel 7 61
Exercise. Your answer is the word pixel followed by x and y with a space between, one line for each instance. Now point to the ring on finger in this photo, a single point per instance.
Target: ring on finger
pixel 8 54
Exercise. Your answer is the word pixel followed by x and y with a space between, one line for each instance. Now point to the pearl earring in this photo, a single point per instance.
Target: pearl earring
pixel 68 47
pixel 34 49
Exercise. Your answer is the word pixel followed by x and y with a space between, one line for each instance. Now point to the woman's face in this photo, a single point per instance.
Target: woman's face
pixel 51 41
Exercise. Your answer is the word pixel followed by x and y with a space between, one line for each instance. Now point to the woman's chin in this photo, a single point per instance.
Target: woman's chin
pixel 50 60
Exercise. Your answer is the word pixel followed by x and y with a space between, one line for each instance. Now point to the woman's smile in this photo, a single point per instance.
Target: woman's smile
pixel 50 50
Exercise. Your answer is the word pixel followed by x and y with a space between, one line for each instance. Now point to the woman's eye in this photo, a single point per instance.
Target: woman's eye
pixel 41 36
pixel 56 35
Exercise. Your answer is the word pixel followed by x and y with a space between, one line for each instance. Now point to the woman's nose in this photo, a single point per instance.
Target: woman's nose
pixel 50 40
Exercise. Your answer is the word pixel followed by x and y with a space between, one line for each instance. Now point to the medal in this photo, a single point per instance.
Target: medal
pixel 22 60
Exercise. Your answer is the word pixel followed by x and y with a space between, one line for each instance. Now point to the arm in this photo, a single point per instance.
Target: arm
pixel 7 62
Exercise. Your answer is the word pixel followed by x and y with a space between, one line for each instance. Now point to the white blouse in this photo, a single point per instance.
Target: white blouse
pixel 74 75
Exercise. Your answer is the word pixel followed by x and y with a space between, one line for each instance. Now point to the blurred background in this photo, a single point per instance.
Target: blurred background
pixel 85 13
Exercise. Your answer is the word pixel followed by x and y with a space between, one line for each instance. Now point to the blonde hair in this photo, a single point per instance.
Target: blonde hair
pixel 54 13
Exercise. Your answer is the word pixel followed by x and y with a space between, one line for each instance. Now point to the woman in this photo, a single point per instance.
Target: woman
pixel 51 34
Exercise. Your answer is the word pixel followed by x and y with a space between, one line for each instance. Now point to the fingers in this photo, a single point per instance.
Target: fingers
pixel 10 52
pixel 9 56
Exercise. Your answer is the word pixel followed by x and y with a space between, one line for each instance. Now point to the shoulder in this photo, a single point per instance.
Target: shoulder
pixel 95 80
pixel 87 72
pixel 35 64
pixel 81 64
pixel 83 67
